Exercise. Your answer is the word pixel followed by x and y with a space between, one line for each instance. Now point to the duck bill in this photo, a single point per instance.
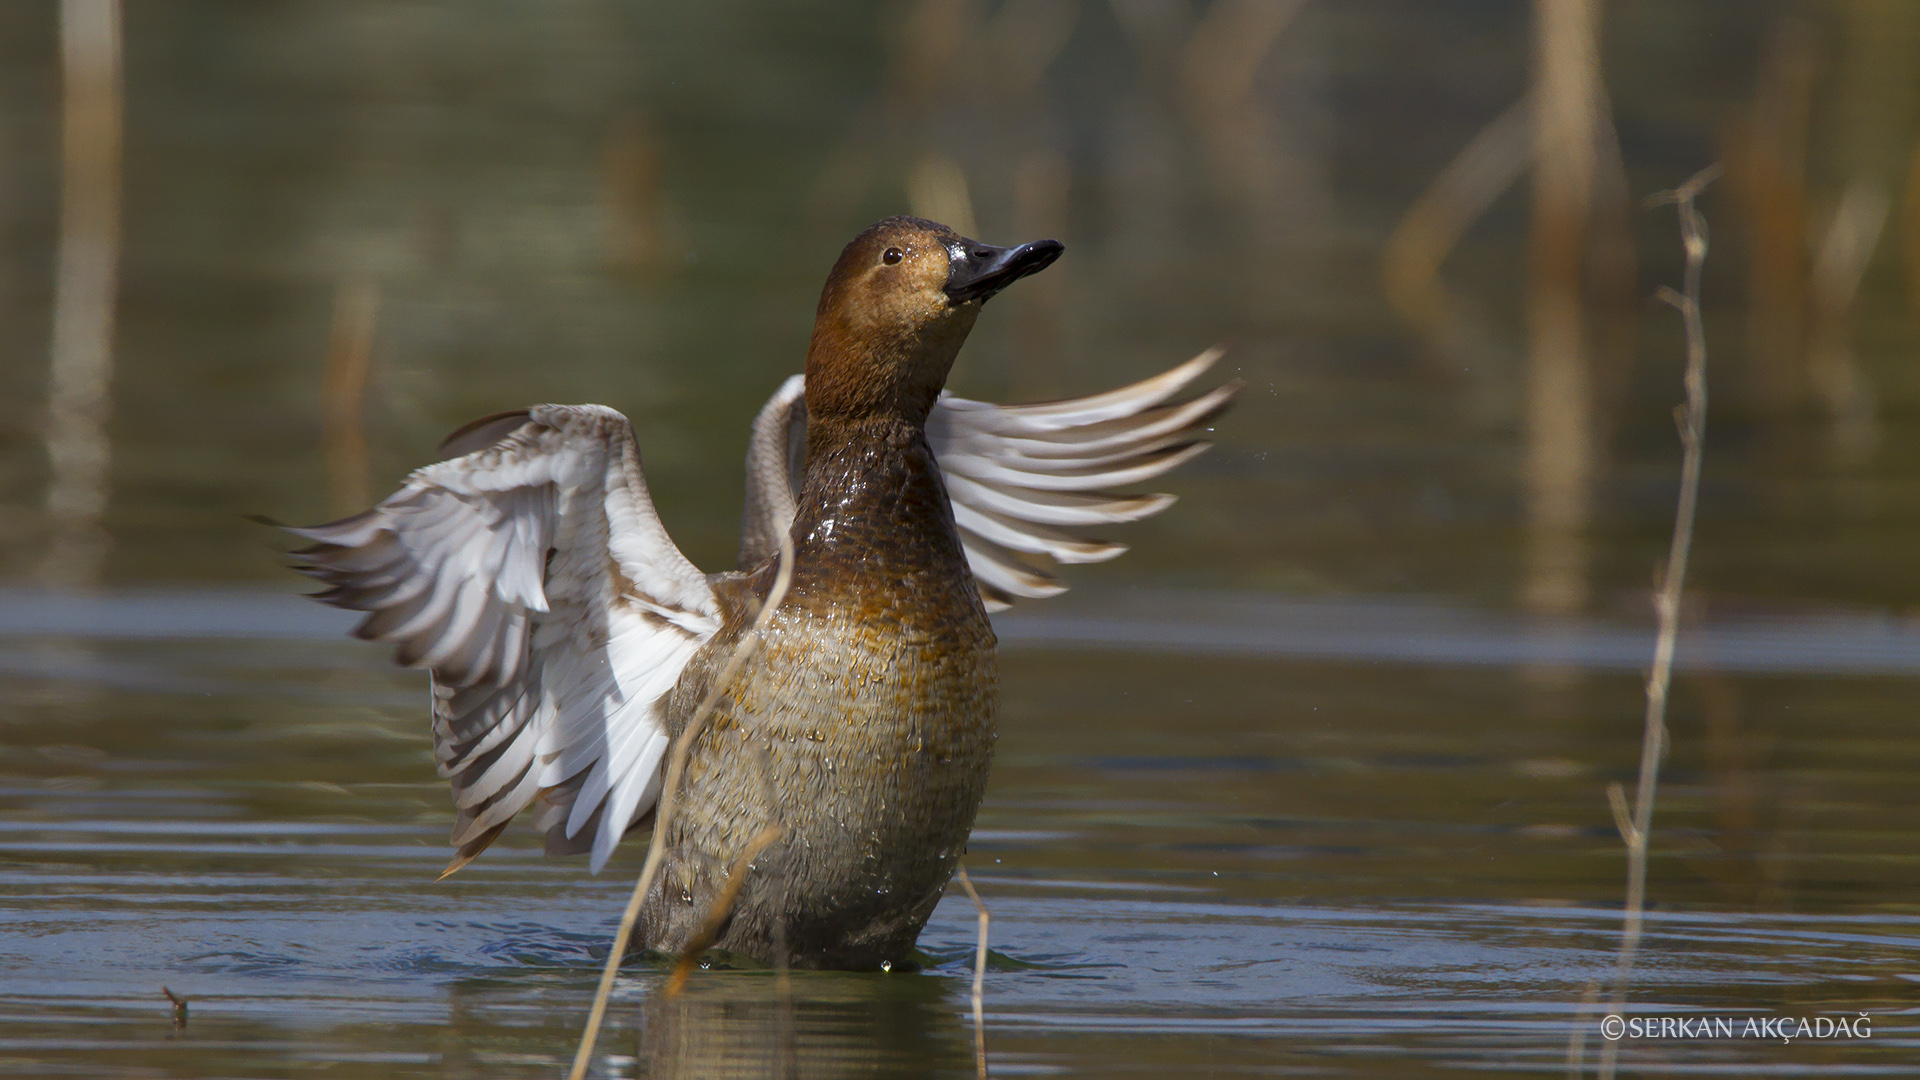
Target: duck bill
pixel 976 271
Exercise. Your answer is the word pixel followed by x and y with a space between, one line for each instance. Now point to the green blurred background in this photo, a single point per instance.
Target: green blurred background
pixel 494 204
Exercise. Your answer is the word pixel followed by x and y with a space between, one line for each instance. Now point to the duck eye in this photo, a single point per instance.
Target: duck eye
pixel 892 255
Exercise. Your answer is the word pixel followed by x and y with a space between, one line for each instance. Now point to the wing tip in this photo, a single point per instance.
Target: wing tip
pixel 1087 552
pixel 328 533
pixel 481 433
pixel 1211 355
pixel 602 850
pixel 991 598
pixel 471 850
pixel 1139 507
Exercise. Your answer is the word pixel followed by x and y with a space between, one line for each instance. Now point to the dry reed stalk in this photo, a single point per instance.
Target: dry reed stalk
pixel 631 187
pixel 1910 246
pixel 669 792
pixel 1559 463
pixel 1432 227
pixel 1839 266
pixel 719 910
pixel 1693 430
pixel 937 190
pixel 1215 83
pixel 979 972
pixel 343 395
pixel 1768 160
pixel 85 288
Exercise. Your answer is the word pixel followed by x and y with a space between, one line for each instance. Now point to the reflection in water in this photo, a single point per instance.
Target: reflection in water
pixel 736 1024
pixel 1352 868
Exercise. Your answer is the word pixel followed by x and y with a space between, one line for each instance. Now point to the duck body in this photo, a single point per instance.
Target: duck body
pixel 570 642
pixel 863 731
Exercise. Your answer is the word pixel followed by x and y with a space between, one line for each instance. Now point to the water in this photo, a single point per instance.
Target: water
pixel 1294 787
pixel 1253 865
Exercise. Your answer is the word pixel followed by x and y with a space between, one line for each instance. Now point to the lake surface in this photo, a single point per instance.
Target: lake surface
pixel 1302 785
pixel 1254 864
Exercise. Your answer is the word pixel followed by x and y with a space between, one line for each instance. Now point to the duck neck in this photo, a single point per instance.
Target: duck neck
pixel 859 373
pixel 872 507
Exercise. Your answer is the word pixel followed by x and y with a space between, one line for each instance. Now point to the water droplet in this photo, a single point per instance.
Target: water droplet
pixel 816 735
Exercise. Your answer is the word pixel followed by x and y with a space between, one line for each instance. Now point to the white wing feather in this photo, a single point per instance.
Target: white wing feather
pixel 533 578
pixel 1013 472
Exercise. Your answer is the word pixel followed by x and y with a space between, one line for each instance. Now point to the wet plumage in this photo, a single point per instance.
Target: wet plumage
pixel 569 640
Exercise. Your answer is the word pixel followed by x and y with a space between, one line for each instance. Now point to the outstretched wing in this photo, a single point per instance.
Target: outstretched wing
pixel 776 451
pixel 1016 474
pixel 530 574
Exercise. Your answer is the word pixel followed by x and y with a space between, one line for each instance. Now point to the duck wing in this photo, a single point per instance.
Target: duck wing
pixel 530 574
pixel 776 461
pixel 1015 474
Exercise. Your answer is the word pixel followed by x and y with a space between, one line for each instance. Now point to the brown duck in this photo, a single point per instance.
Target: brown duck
pixel 569 639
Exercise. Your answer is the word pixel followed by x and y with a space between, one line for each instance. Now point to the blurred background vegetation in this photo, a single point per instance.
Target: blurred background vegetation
pixel 345 228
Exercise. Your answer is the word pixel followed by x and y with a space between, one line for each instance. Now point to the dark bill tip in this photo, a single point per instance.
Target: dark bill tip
pixel 976 271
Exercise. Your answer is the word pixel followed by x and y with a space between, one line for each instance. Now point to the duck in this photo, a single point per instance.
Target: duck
pixel 569 641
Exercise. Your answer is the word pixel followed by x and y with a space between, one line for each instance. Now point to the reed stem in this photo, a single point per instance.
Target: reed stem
pixel 669 792
pixel 1692 419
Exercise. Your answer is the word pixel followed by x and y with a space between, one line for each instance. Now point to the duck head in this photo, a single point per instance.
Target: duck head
pixel 895 311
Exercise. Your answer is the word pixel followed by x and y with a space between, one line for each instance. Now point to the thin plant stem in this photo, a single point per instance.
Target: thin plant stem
pixel 979 972
pixel 669 792
pixel 1692 419
pixel 720 909
pixel 1577 1045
